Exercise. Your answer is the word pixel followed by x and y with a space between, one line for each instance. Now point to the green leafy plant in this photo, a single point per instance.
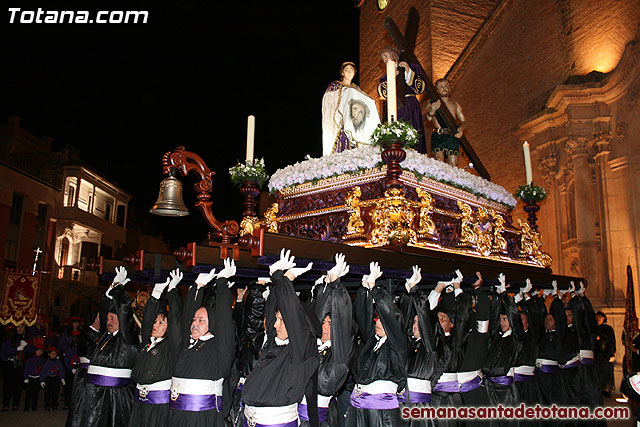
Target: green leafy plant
pixel 530 192
pixel 384 134
pixel 250 170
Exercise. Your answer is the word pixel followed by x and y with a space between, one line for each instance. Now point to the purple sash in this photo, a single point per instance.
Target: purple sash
pixel 523 377
pixel 447 387
pixel 105 381
pixel 471 385
pixel 587 361
pixel 374 401
pixel 502 380
pixel 293 423
pixel 83 366
pixel 402 397
pixel 154 397
pixel 571 365
pixel 548 369
pixel 197 402
pixel 418 397
pixel 323 413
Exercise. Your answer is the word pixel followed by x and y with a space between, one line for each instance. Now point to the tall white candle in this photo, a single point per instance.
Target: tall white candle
pixel 527 162
pixel 251 130
pixel 391 92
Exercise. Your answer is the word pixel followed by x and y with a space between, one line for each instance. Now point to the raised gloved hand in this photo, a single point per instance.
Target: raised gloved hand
pixel 42 384
pixel 159 288
pixel 581 289
pixel 230 284
pixel 229 269
pixel 62 381
pixel 22 345
pixel 339 270
pixel 527 287
pixel 295 272
pixel 503 283
pixel 285 262
pixel 415 278
pixel 458 278
pixel 369 281
pixel 204 278
pixel 120 280
pixel 175 276
pixel 554 291
pixel 26 381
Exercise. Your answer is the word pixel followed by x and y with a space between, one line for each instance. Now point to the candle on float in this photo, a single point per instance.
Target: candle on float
pixel 527 162
pixel 392 114
pixel 251 129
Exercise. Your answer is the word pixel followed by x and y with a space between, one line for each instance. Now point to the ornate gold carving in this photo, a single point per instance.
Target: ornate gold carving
pixel 530 244
pixel 392 217
pixel 426 226
pixel 248 224
pixel 269 220
pixel 355 225
pixel 499 242
pixel 467 234
pixel 482 230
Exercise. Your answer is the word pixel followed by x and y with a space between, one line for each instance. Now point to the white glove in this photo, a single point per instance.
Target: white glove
pixel 285 262
pixel 517 298
pixel 176 276
pixel 42 384
pixel 265 293
pixel 581 289
pixel 369 281
pixel 120 279
pixel 340 269
pixel 555 288
pixel 298 271
pixel 204 278
pixel 73 371
pixel 458 278
pixel 527 288
pixel 264 280
pixel 159 288
pixel 503 283
pixel 320 281
pixel 229 269
pixel 62 381
pixel 22 346
pixel 230 284
pixel 415 278
pixel 26 381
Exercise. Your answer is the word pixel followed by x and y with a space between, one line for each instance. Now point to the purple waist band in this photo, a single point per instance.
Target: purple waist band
pixel 105 381
pixel 471 385
pixel 154 397
pixel 587 361
pixel 571 365
pixel 523 377
pixel 197 402
pixel 502 380
pixel 547 369
pixel 323 413
pixel 83 366
pixel 418 397
pixel 374 401
pixel 289 424
pixel 447 387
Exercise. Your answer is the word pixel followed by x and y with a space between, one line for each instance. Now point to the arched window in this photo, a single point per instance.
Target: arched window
pixel 64 252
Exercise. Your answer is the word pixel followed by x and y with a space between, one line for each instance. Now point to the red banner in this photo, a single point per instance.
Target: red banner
pixel 20 299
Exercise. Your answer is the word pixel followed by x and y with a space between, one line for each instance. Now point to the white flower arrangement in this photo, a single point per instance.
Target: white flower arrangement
pixel 250 170
pixel 385 133
pixel 367 157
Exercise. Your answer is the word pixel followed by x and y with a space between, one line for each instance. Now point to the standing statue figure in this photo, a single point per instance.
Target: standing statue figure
pixel 408 85
pixel 444 141
pixel 349 116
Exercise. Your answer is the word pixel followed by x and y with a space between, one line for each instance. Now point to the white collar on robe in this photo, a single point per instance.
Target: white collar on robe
pixel 154 341
pixel 91 326
pixel 282 342
pixel 506 334
pixel 323 345
pixel 205 337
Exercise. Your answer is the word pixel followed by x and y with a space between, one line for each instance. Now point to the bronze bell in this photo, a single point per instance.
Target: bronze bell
pixel 169 201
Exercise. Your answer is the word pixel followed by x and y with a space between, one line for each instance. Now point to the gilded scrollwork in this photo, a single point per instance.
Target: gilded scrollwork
pixel 467 234
pixel 353 203
pixel 392 218
pixel 270 221
pixel 499 242
pixel 248 225
pixel 531 243
pixel 482 230
pixel 426 226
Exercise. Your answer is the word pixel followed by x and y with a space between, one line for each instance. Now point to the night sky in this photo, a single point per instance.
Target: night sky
pixel 126 94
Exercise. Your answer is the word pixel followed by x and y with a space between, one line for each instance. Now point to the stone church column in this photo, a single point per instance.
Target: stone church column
pixel 585 221
pixel 549 168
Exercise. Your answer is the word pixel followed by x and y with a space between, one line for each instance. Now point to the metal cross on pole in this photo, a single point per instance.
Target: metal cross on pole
pixel 38 251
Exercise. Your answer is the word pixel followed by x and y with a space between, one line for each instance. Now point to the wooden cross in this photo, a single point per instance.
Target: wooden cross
pixel 406 44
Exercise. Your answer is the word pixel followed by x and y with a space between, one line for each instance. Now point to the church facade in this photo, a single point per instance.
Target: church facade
pixel 564 76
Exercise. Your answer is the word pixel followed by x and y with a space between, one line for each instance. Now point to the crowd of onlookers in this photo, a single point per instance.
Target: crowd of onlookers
pixel 35 359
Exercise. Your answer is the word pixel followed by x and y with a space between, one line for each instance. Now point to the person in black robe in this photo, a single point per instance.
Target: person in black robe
pixel 288 359
pixel 605 353
pixel 206 353
pixel 87 341
pixel 531 315
pixel 569 359
pixel 505 350
pixel 161 336
pixel 108 389
pixel 332 306
pixel 248 316
pixel 549 352
pixel 380 370
pixel 422 357
pixel 13 355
